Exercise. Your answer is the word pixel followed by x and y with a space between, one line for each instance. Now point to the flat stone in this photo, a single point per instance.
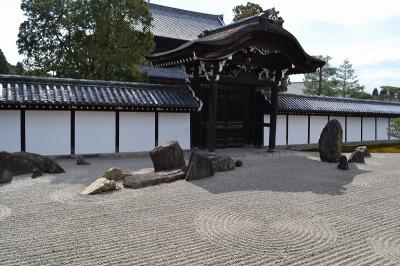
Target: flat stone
pixel 222 163
pixel 343 163
pixel 147 177
pixel 81 161
pixel 364 151
pixel 330 142
pixel 356 157
pixel 115 174
pixel 168 156
pixel 5 176
pixel 200 166
pixel 100 185
pixel 36 173
pixel 20 163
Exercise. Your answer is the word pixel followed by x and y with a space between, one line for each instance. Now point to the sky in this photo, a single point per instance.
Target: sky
pixel 365 32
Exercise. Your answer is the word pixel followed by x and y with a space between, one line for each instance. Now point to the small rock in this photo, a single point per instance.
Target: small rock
pixel 115 174
pixel 5 176
pixel 81 161
pixel 364 151
pixel 36 173
pixel 200 166
pixel 343 164
pixel 356 157
pixel 330 142
pixel 100 185
pixel 147 177
pixel 222 163
pixel 167 157
pixel 239 163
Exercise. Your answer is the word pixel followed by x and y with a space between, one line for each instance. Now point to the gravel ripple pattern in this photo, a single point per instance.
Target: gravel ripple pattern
pixel 286 208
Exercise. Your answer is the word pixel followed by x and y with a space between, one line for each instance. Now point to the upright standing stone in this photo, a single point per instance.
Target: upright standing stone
pixel 168 156
pixel 330 142
pixel 343 164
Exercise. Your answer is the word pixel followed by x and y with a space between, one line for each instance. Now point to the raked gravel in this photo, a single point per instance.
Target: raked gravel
pixel 286 208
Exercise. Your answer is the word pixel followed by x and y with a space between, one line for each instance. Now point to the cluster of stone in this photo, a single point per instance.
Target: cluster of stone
pixel 19 163
pixel 330 147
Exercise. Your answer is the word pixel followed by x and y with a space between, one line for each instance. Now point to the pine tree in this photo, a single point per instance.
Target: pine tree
pixel 4 66
pixel 323 82
pixel 347 80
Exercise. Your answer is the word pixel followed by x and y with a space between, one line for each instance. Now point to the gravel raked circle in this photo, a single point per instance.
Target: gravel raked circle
pixel 286 208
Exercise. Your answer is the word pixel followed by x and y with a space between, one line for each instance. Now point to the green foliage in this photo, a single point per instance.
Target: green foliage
pixel 389 93
pixel 4 66
pixel 375 93
pixel 328 80
pixel 245 11
pixel 92 39
pixel 347 80
pixel 394 128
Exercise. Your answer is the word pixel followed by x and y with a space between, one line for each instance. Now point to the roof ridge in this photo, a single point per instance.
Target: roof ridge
pixel 189 12
pixel 340 99
pixel 34 79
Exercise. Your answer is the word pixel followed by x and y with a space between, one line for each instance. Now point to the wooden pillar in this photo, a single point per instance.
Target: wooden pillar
pixel 212 117
pixel 273 118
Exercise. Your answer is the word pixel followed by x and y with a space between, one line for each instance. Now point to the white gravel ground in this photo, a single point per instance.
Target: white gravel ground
pixel 281 209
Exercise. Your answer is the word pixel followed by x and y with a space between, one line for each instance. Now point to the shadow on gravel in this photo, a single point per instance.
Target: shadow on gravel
pixel 291 173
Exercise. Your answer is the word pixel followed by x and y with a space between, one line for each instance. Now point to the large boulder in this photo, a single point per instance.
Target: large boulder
pixel 100 185
pixel 343 164
pixel 115 174
pixel 330 142
pixel 167 157
pixel 356 157
pixel 5 176
pixel 200 166
pixel 222 163
pixel 147 177
pixel 364 151
pixel 24 163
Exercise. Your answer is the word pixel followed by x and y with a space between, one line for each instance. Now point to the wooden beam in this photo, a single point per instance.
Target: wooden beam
pixel 117 131
pixel 156 129
pixel 72 132
pixel 212 117
pixel 273 117
pixel 23 132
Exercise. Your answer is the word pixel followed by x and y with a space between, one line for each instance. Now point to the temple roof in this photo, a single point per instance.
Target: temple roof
pixel 182 24
pixel 20 92
pixel 263 34
pixel 320 105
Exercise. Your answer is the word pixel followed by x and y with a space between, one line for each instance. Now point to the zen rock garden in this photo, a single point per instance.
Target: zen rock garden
pixel 330 147
pixel 168 166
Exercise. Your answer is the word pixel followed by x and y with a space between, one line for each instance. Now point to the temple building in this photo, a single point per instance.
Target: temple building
pixel 211 86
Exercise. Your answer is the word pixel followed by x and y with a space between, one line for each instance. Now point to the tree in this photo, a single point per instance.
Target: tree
pixel 375 93
pixel 347 80
pixel 394 128
pixel 245 11
pixel 19 69
pixel 390 93
pixel 4 66
pixel 323 82
pixel 96 39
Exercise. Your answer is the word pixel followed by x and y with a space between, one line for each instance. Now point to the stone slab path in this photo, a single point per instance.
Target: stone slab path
pixel 281 209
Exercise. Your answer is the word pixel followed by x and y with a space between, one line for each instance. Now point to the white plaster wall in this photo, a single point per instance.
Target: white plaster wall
pixel 94 132
pixel 317 124
pixel 368 128
pixel 298 129
pixel 48 132
pixel 266 130
pixel 382 126
pixel 342 121
pixel 10 132
pixel 136 132
pixel 353 129
pixel 280 130
pixel 174 126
